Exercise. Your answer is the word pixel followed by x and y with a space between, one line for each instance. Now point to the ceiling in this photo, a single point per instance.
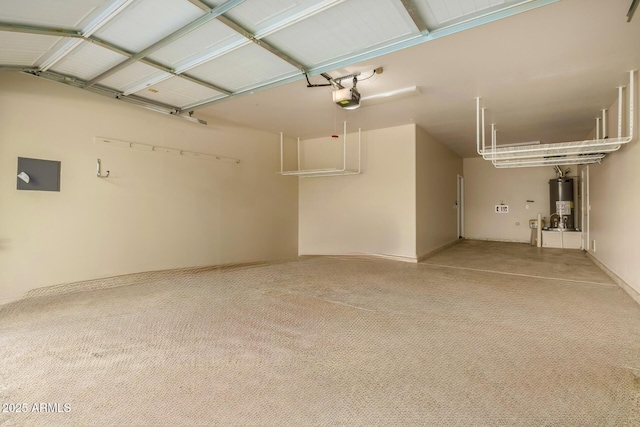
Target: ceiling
pixel 544 68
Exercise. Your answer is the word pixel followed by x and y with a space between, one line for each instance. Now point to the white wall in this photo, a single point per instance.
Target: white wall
pixel 487 186
pixel 154 212
pixel 371 213
pixel 615 202
pixel 437 170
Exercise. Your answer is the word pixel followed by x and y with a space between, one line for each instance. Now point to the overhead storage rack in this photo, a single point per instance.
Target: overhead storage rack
pixel 311 173
pixel 562 153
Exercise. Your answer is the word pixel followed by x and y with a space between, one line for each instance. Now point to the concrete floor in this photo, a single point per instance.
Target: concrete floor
pixel 482 334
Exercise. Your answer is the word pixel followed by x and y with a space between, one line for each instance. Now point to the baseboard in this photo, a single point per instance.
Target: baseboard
pixel 131 279
pixel 624 285
pixel 437 250
pixel 360 255
pixel 395 258
pixel 488 239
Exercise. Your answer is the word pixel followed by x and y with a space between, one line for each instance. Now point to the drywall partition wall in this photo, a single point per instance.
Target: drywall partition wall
pixel 371 213
pixel 437 170
pixel 487 186
pixel 155 211
pixel 614 196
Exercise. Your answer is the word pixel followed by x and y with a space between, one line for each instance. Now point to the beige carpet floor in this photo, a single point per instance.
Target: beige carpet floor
pixel 482 334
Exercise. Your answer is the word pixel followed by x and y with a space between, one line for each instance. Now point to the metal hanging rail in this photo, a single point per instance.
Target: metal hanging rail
pixel 311 173
pixel 562 153
pixel 158 149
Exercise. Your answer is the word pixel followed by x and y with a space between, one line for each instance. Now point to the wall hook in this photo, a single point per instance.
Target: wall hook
pixel 99 173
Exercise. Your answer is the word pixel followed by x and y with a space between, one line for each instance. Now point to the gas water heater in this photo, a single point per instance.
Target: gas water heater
pixel 561 206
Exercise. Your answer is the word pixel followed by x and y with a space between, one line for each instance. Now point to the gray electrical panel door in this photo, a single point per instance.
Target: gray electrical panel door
pixel 44 175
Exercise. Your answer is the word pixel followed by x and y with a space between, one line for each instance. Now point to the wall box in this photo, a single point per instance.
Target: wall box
pixel 44 175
